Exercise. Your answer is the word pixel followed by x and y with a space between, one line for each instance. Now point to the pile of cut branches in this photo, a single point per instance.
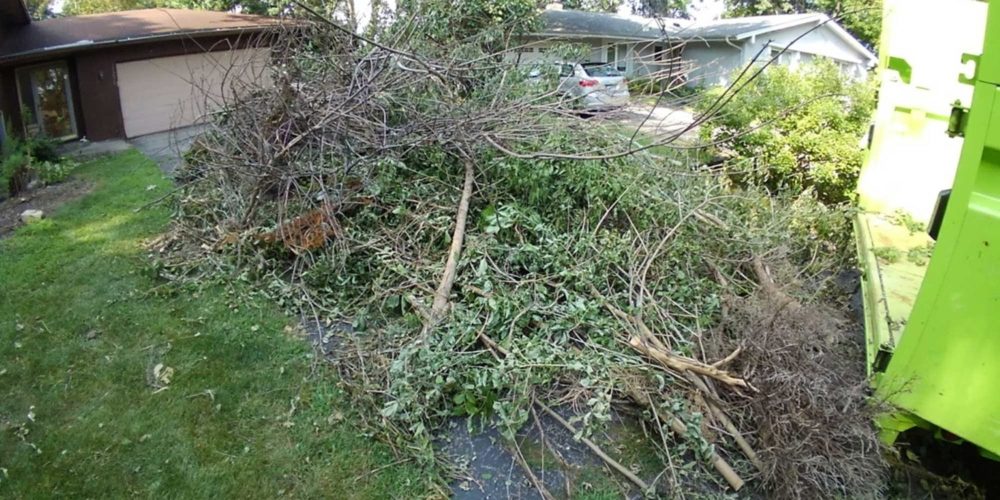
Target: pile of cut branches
pixel 495 253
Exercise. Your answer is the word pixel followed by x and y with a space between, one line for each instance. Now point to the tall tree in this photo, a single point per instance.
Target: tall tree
pixel 863 18
pixel 590 5
pixel 79 7
pixel 492 22
pixel 38 9
pixel 662 8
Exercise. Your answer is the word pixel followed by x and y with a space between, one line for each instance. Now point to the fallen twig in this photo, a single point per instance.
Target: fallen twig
pixel 730 427
pixel 596 449
pixel 531 474
pixel 682 365
pixel 724 361
pixel 676 425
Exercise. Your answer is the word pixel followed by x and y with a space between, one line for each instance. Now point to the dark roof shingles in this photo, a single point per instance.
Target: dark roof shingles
pixel 580 23
pixel 92 30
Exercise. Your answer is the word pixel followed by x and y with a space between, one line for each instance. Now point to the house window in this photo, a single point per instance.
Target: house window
pixel 776 55
pixel 785 57
pixel 46 100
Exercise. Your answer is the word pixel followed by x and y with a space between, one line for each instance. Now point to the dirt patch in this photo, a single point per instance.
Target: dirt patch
pixel 45 199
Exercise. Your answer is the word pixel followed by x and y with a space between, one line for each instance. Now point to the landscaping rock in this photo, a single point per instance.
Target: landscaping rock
pixel 29 216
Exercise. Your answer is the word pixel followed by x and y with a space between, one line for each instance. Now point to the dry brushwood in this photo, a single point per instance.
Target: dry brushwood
pixel 715 407
pixel 306 232
pixel 647 343
pixel 386 172
pixel 811 417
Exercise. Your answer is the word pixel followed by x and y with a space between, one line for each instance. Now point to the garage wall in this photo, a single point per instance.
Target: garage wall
pixel 100 115
pixel 171 92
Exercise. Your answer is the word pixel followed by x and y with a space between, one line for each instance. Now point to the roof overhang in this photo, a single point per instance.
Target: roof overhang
pixel 865 56
pixel 819 20
pixel 13 13
pixel 869 57
pixel 792 23
pixel 59 36
pixel 557 34
pixel 697 32
pixel 86 45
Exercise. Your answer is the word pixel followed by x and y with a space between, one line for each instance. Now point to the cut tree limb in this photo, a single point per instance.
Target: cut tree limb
pixel 730 427
pixel 678 427
pixel 440 305
pixel 682 365
pixel 647 343
pixel 597 450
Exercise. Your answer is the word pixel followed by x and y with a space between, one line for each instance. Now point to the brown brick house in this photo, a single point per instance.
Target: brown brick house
pixel 123 74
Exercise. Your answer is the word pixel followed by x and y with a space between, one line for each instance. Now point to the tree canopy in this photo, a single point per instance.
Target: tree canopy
pixel 38 9
pixel 80 7
pixel 862 18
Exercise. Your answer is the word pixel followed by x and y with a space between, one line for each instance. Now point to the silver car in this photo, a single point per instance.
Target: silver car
pixel 593 86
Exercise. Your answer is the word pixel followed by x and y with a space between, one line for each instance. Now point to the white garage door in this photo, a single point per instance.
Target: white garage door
pixel 171 92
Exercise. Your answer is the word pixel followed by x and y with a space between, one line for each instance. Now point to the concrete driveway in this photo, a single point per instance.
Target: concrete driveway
pixel 659 121
pixel 166 148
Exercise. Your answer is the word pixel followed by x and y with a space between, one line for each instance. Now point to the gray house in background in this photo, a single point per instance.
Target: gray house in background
pixel 640 46
pixel 717 48
pixel 706 52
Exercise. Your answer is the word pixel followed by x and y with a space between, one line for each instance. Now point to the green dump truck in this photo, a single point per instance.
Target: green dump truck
pixel 929 235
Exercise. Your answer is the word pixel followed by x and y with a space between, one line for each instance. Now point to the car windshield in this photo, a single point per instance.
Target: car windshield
pixel 601 69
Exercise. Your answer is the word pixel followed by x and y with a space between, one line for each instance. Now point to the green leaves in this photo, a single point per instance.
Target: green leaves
pixel 812 120
pixel 488 22
pixel 494 220
pixel 863 18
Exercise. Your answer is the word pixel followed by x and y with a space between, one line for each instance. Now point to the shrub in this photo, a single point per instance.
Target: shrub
pixel 796 131
pixel 24 160
pixel 52 172
pixel 14 172
pixel 43 148
pixel 645 85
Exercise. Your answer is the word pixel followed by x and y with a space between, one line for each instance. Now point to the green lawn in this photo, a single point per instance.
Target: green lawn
pixel 81 330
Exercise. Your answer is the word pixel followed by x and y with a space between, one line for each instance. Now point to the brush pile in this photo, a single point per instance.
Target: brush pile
pixel 495 254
